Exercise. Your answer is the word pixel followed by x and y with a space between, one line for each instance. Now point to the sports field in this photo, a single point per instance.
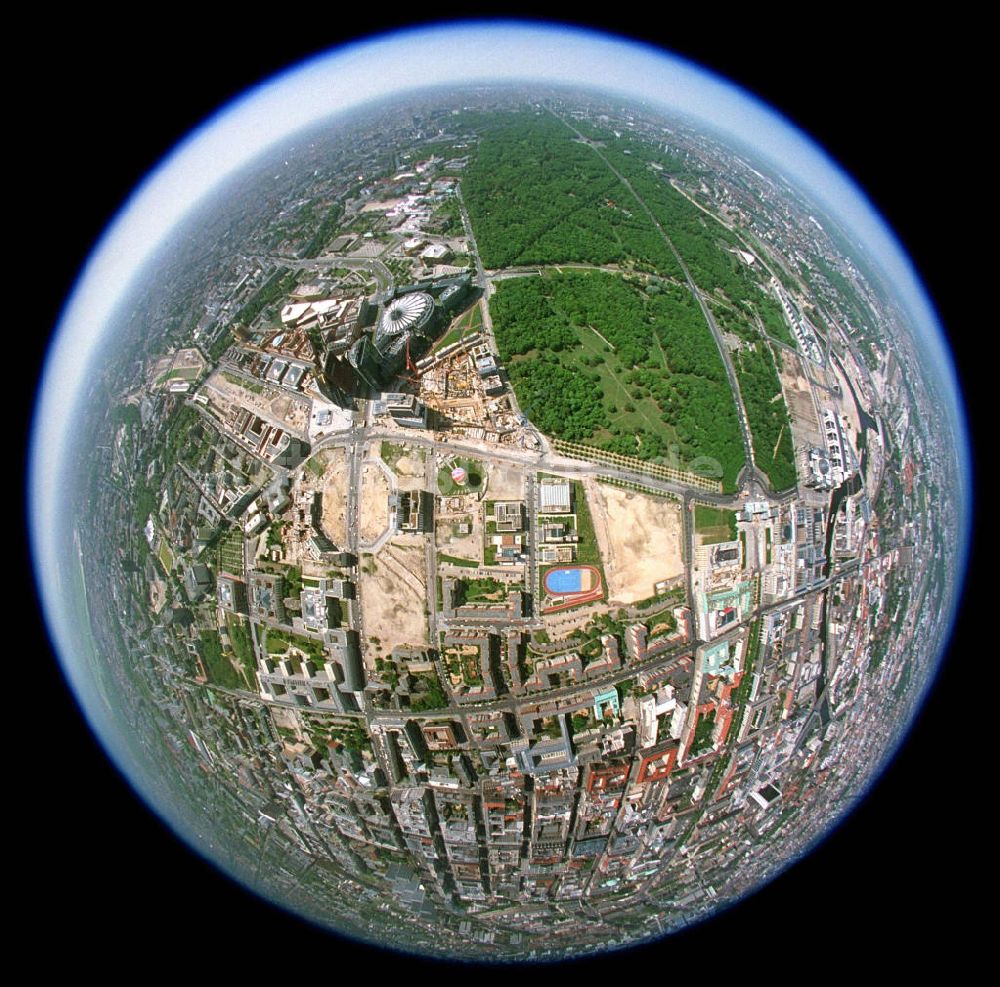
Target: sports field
pixel 571 585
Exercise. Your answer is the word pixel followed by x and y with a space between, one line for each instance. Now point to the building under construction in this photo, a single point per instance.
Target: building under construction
pixel 405 326
pixel 411 510
pixel 404 330
pixel 461 385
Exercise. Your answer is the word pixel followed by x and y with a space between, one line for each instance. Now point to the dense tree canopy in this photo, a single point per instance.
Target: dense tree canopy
pixel 630 367
pixel 708 248
pixel 624 362
pixel 763 399
pixel 770 427
pixel 536 195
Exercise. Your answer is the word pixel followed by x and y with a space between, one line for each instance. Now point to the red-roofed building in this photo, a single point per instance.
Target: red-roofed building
pixel 607 779
pixel 657 765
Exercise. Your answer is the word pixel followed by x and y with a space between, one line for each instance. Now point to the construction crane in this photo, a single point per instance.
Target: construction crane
pixel 414 377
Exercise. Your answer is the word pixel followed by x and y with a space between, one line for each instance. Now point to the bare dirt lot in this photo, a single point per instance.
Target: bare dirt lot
pixel 287 719
pixel 294 413
pixel 639 537
pixel 374 502
pixel 451 542
pixel 225 389
pixel 505 483
pixel 189 359
pixel 409 469
pixel 393 594
pixel 798 397
pixel 157 595
pixel 334 486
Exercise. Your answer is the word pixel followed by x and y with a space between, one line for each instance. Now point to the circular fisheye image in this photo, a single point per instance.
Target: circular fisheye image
pixel 499 492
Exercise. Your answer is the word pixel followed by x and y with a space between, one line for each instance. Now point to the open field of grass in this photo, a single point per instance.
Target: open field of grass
pixel 588 552
pixel 165 556
pixel 239 638
pixel 714 524
pixel 279 643
pixel 469 322
pixel 218 667
pixel 474 476
pixel 456 560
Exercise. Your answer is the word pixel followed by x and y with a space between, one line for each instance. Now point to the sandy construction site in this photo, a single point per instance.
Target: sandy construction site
pixel 334 487
pixel 799 399
pixel 224 389
pixel 374 503
pixel 293 411
pixel 393 593
pixel 639 537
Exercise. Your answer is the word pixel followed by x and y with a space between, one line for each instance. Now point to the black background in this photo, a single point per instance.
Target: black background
pixel 892 880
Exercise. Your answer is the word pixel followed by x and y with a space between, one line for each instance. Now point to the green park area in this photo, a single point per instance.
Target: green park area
pixel 229 552
pixel 709 249
pixel 623 365
pixel 632 369
pixel 484 590
pixel 286 643
pixel 588 552
pixel 277 286
pixel 218 667
pixel 325 231
pixel 767 415
pixel 239 639
pixel 449 487
pixel 165 556
pixel 462 663
pixel 703 734
pixel 739 698
pixel 427 692
pixel 537 195
pixel 773 319
pixel 324 733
